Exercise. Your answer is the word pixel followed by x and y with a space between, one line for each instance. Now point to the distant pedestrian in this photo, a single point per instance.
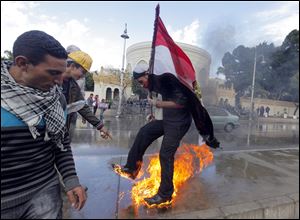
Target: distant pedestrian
pixel 102 106
pixel 262 111
pixel 96 104
pixel 257 111
pixel 89 102
pixel 267 110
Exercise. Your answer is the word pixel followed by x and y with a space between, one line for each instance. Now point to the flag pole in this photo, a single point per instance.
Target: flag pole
pixel 151 62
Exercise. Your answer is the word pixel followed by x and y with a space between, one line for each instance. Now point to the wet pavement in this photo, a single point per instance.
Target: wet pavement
pixel 245 137
pixel 255 164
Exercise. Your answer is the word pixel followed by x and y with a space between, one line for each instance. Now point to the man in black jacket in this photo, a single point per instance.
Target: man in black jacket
pixel 177 118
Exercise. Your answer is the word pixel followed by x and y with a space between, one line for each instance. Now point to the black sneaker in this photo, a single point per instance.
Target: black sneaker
pixel 158 200
pixel 213 143
pixel 125 171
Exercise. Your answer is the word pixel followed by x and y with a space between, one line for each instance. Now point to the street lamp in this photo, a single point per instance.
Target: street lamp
pixel 124 36
pixel 253 82
pixel 252 95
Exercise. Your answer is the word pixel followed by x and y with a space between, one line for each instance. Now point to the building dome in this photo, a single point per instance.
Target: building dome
pixel 201 59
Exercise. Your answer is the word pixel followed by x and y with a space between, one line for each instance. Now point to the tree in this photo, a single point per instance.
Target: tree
pixel 285 66
pixel 238 69
pixel 89 82
pixel 8 55
pixel 275 79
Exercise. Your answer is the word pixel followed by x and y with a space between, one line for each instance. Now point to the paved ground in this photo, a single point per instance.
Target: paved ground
pixel 252 180
pixel 258 179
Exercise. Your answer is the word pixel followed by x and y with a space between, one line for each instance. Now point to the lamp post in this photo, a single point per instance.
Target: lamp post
pixel 124 36
pixel 252 95
pixel 253 83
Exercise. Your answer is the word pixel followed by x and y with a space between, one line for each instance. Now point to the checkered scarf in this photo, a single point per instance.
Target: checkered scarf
pixel 31 105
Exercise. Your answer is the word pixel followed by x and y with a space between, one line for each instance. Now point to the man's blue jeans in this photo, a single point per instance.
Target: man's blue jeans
pixel 47 204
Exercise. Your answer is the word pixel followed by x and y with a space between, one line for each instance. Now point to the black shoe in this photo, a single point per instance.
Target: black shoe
pixel 125 171
pixel 157 200
pixel 213 143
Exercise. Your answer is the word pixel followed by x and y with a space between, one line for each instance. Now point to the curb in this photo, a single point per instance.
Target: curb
pixel 279 207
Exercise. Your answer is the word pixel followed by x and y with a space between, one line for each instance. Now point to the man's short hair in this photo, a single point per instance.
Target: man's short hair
pixel 35 45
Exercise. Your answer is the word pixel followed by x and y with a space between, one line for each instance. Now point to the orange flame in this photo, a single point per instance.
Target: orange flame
pixel 184 168
pixel 118 169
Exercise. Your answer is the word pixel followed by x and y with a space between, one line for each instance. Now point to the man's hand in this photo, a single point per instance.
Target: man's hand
pixel 77 197
pixel 105 134
pixel 150 117
pixel 152 102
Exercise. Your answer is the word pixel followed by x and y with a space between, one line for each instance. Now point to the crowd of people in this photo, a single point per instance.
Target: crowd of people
pixel 95 104
pixel 243 112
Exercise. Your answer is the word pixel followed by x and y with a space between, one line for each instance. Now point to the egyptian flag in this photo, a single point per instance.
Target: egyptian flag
pixel 168 58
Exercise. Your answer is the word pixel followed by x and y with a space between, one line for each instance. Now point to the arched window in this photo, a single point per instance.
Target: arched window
pixel 116 94
pixel 108 94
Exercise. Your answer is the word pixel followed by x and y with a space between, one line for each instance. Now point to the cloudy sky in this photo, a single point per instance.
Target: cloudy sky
pixel 96 27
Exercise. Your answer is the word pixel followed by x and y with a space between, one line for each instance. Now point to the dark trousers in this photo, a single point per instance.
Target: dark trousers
pixel 95 109
pixel 173 133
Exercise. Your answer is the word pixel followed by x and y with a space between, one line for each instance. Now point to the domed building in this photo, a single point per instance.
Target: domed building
pixel 107 85
pixel 201 59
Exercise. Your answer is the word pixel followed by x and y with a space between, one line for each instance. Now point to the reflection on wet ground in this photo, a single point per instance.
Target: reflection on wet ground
pixel 123 130
pixel 233 178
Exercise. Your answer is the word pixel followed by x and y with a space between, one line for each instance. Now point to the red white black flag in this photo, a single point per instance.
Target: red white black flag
pixel 168 57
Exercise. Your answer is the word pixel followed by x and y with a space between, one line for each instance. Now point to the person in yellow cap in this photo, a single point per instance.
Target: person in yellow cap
pixel 78 64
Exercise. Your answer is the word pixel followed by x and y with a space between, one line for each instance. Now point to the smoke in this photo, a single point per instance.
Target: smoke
pixel 188 34
pixel 217 40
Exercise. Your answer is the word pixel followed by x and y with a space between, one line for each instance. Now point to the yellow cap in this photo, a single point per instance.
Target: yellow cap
pixel 82 58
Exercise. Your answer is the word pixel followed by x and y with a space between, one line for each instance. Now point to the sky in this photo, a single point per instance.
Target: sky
pixel 96 26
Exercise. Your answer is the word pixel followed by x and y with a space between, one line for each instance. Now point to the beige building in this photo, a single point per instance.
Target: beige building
pixel 107 85
pixel 216 92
